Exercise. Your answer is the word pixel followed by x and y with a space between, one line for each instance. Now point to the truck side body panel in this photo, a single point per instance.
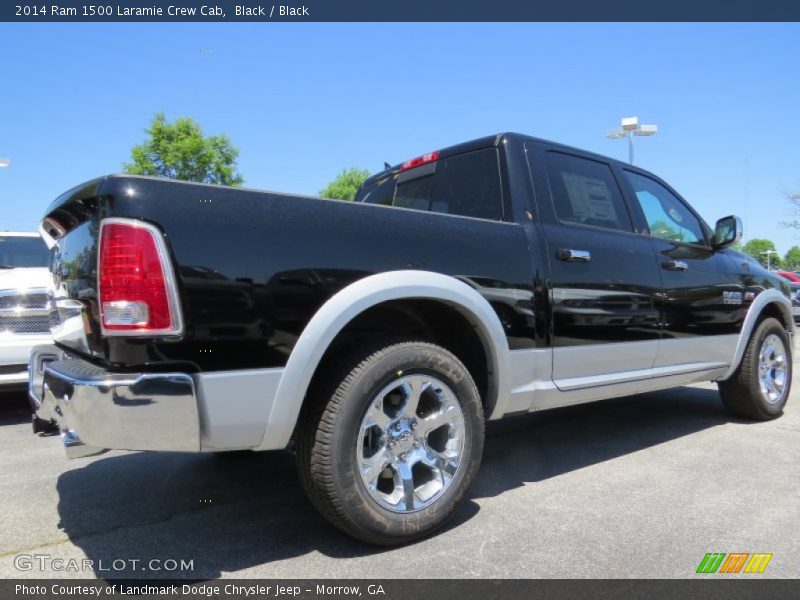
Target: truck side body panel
pixel 254 267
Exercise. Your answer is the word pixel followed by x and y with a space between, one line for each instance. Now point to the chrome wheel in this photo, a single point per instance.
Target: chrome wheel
pixel 772 368
pixel 410 443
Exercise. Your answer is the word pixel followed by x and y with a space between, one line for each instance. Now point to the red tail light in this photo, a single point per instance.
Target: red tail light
pixel 420 160
pixel 136 286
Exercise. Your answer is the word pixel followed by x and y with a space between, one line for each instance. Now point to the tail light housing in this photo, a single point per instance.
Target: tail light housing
pixel 136 283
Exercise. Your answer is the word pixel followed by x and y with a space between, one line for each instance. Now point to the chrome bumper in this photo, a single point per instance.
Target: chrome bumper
pixel 15 353
pixel 97 410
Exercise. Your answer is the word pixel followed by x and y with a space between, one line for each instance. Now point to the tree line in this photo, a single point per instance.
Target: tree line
pixel 180 150
pixel 760 248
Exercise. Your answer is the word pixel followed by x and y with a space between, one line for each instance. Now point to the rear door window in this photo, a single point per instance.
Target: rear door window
pixel 585 192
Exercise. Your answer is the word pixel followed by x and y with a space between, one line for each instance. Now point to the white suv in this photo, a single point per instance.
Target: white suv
pixel 25 282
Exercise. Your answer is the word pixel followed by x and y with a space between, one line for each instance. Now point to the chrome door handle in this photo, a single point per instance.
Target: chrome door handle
pixel 574 255
pixel 674 265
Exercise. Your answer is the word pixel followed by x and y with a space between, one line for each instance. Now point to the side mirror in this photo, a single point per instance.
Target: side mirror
pixel 727 232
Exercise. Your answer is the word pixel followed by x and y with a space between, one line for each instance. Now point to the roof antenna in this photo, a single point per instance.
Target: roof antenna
pixel 386 166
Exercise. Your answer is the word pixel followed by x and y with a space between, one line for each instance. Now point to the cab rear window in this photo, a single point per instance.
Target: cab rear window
pixel 466 184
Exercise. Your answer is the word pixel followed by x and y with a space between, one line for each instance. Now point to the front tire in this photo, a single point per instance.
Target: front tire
pixel 390 442
pixel 760 386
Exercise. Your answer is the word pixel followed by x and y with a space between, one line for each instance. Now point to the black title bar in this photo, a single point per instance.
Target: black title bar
pixel 714 588
pixel 401 10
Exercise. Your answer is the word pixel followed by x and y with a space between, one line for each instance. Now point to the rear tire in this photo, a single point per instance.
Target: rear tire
pixel 760 386
pixel 390 441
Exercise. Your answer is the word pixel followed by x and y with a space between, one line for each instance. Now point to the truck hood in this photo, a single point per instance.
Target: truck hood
pixel 25 278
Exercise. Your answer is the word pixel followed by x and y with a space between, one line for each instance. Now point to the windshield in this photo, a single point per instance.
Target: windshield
pixel 19 251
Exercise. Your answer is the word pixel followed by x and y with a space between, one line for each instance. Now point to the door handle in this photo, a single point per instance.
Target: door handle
pixel 674 265
pixel 574 255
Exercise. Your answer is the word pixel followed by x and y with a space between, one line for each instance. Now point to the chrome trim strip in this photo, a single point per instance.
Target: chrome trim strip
pixel 24 312
pixel 625 376
pixel 554 398
pixel 24 291
pixel 169 277
pixel 590 360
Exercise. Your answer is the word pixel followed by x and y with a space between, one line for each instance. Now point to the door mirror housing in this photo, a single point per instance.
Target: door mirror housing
pixel 727 232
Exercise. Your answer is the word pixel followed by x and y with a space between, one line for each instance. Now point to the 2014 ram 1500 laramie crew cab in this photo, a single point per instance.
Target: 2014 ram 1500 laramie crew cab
pixel 496 277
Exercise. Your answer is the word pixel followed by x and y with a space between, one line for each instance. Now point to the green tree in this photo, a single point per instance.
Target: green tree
pixel 179 150
pixel 345 185
pixel 791 259
pixel 757 248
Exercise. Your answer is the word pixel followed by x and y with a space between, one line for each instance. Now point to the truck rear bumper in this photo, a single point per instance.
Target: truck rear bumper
pixel 97 410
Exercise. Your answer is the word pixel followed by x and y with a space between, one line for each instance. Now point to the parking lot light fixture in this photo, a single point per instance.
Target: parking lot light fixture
pixel 630 123
pixel 769 253
pixel 630 127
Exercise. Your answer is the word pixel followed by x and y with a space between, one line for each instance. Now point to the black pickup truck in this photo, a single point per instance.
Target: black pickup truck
pixel 496 277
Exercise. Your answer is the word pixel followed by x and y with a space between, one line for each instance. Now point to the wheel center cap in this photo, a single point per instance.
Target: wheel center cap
pixel 401 436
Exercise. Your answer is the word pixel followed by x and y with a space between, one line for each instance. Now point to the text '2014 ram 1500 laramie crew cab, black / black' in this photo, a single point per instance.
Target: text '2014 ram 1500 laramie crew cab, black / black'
pixel 496 277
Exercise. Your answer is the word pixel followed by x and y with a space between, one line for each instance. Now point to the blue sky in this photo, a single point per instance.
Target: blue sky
pixel 302 101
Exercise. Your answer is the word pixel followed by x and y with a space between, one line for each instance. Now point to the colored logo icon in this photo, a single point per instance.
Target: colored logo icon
pixel 734 562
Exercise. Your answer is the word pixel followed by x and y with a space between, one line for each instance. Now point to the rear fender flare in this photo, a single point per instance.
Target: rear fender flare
pixel 761 301
pixel 351 301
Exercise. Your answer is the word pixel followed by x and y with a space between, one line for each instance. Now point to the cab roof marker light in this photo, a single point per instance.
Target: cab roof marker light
pixel 420 160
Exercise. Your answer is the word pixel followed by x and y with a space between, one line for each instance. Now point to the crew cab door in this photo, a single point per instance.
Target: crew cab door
pixel 701 302
pixel 603 272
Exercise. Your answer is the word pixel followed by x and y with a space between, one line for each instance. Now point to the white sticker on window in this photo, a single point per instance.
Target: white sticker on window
pixel 590 198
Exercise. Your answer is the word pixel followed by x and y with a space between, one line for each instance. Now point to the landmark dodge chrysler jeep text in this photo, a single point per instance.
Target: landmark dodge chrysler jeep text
pixel 496 277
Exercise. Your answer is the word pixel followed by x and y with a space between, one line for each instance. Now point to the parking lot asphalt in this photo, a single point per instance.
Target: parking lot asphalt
pixel 641 486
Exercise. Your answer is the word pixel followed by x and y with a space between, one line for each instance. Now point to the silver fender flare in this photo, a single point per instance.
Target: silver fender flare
pixel 762 300
pixel 348 303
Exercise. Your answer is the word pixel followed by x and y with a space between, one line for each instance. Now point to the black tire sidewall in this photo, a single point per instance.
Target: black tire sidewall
pixel 357 393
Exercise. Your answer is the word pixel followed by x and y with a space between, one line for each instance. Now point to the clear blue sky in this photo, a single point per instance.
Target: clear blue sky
pixel 302 101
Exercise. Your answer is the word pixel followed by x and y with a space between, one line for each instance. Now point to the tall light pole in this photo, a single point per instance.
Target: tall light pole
pixel 769 253
pixel 631 127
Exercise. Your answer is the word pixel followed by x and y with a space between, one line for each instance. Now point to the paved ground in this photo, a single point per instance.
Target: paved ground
pixel 634 487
